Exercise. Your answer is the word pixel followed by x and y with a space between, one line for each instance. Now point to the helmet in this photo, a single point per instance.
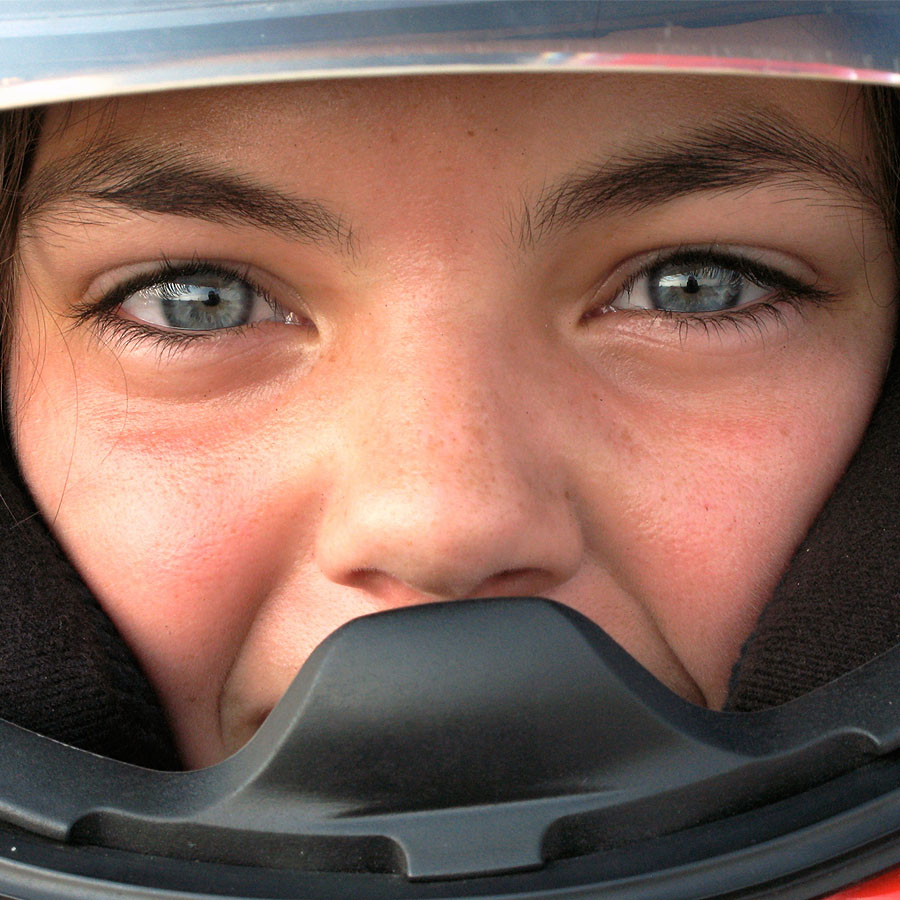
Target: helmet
pixel 488 747
pixel 63 51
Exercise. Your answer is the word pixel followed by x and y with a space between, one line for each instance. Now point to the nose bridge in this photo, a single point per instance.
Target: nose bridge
pixel 445 417
pixel 438 485
pixel 441 430
pixel 436 401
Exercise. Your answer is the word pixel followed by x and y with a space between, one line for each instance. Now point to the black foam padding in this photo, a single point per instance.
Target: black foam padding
pixel 64 670
pixel 838 604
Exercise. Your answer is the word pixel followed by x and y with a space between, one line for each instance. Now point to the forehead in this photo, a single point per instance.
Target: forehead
pixel 445 118
pixel 411 165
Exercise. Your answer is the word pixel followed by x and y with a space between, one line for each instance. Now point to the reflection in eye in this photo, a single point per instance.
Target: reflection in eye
pixel 705 289
pixel 202 300
pixel 693 284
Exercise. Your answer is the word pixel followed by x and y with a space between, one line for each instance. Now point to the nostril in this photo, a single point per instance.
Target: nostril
pixel 390 590
pixel 393 592
pixel 516 582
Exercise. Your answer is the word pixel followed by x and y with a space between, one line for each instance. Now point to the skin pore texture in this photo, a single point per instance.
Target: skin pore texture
pixel 447 387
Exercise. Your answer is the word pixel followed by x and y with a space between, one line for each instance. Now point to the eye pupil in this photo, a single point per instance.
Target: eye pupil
pixel 686 287
pixel 205 302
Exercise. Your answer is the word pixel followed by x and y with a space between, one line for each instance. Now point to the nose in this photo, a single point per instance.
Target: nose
pixel 448 486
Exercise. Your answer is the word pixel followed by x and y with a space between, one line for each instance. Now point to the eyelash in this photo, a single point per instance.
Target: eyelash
pixel 103 315
pixel 757 316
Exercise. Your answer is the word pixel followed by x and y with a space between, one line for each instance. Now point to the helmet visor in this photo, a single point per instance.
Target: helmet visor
pixel 54 50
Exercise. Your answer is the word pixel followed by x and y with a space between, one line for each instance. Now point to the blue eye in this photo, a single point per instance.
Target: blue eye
pixel 201 301
pixel 683 286
pixel 206 304
pixel 694 289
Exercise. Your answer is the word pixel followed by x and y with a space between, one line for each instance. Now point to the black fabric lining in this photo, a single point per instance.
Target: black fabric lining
pixel 838 604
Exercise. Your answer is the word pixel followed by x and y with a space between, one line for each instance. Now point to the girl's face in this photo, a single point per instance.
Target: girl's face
pixel 291 354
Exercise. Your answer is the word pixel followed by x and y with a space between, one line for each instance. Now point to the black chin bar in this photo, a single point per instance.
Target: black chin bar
pixel 477 748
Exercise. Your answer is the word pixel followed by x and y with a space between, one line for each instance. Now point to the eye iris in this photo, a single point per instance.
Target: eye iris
pixel 683 288
pixel 206 305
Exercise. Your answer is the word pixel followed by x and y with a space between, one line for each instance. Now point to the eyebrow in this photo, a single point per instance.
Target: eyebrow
pixel 181 184
pixel 758 149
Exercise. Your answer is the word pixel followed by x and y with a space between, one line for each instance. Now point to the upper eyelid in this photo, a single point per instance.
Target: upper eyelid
pixel 776 263
pixel 724 260
pixel 97 302
pixel 100 313
pixel 799 290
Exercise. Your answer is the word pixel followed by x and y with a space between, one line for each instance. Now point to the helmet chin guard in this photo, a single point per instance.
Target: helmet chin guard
pixel 480 748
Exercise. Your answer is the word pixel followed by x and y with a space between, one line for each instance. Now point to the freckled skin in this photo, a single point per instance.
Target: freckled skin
pixel 452 425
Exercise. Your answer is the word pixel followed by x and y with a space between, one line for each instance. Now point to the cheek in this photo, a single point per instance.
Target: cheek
pixel 720 474
pixel 173 518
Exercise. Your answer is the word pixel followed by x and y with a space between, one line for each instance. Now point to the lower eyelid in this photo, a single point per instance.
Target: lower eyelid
pixel 122 334
pixel 130 332
pixel 752 319
pixel 747 324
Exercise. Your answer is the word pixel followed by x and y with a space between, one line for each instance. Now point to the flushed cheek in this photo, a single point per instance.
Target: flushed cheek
pixel 189 603
pixel 180 533
pixel 720 491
